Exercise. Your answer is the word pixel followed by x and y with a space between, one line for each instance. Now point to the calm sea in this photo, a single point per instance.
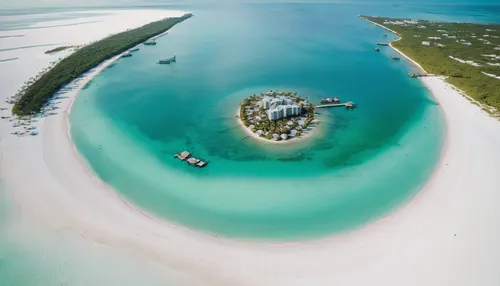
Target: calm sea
pixel 130 121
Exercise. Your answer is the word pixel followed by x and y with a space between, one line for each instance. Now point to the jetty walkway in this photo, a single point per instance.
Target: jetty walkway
pixel 348 104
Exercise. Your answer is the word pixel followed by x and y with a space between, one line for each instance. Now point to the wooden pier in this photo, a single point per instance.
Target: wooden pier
pixel 348 104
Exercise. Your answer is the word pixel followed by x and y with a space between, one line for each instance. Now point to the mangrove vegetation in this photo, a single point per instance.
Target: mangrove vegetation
pixel 31 99
pixel 468 54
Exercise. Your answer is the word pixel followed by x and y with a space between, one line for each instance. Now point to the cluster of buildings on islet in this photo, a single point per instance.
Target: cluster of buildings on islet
pixel 279 106
pixel 275 106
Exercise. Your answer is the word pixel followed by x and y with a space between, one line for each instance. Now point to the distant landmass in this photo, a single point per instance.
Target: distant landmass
pixel 468 54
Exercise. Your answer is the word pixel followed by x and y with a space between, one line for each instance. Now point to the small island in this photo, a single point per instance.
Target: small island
pixel 276 116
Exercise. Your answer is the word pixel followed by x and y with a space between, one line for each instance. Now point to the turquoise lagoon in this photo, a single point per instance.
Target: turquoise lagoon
pixel 360 164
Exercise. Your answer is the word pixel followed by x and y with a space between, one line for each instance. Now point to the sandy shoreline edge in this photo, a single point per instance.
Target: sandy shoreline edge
pixel 307 134
pixel 461 198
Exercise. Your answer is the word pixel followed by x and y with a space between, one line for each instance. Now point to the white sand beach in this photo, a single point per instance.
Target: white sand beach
pixel 447 235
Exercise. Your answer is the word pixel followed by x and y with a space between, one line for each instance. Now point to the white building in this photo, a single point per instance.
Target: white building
pixel 426 43
pixel 282 111
pixel 280 107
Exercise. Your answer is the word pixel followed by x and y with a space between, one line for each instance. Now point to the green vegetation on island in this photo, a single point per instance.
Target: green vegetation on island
pixel 468 54
pixel 58 49
pixel 276 115
pixel 31 99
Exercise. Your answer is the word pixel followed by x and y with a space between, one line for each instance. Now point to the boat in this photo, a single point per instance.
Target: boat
pixel 377 49
pixel 126 54
pixel 133 50
pixel 385 35
pixel 167 61
pixel 150 43
pixel 383 44
pixel 396 58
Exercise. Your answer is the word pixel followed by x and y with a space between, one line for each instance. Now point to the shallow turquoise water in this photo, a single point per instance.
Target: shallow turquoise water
pixel 360 165
pixel 29 256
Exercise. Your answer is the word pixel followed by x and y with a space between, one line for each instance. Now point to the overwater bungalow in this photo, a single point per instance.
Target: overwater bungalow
pixel 196 162
pixel 193 161
pixel 349 104
pixel 183 155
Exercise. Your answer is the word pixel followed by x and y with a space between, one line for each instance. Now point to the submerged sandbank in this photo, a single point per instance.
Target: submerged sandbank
pixel 448 233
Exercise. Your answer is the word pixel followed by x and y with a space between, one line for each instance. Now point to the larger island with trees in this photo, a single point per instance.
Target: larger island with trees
pixel 31 99
pixel 467 54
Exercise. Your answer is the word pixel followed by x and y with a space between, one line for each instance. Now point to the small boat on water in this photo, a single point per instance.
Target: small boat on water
pixel 133 50
pixel 126 55
pixel 167 61
pixel 150 43
pixel 385 35
pixel 383 44
pixel 377 49
pixel 396 58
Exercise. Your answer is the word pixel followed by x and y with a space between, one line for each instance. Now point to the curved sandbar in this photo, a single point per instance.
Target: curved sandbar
pixel 448 233
pixel 277 117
